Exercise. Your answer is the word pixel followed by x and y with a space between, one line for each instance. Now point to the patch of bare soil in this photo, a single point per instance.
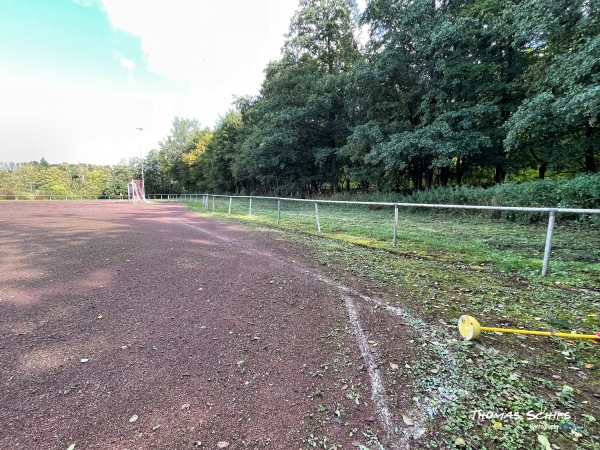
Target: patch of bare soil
pixel 149 327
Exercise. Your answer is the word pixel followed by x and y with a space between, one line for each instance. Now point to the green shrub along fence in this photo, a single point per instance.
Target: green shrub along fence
pixel 582 192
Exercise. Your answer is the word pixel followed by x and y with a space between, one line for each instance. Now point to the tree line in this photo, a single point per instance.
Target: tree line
pixel 41 178
pixel 442 93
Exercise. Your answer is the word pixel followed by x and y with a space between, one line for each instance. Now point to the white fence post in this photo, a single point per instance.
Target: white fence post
pixel 278 211
pixel 548 248
pixel 395 225
pixel 230 200
pixel 250 208
pixel 317 217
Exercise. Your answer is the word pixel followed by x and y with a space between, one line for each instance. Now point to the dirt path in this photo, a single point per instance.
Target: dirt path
pixel 206 332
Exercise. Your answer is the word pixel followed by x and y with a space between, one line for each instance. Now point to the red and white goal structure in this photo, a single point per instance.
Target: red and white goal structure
pixel 135 191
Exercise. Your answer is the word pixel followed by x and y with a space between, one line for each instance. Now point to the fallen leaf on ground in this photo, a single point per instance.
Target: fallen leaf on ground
pixel 408 420
pixel 394 366
pixel 222 444
pixel 133 418
pixel 544 441
pixel 460 442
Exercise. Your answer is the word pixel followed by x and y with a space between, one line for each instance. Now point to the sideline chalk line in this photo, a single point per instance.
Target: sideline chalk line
pixel 398 437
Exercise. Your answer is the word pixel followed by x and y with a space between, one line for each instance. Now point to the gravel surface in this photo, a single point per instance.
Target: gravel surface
pixel 150 327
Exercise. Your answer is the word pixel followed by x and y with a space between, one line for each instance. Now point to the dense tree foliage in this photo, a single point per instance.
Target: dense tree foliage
pixel 41 178
pixel 557 123
pixel 440 93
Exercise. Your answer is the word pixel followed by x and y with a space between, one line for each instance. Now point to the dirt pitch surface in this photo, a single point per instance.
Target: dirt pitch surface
pixel 150 327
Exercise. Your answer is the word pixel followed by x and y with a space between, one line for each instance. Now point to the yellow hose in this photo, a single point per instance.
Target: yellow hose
pixel 469 329
pixel 542 333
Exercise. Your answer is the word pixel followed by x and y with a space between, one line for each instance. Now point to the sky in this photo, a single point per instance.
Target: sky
pixel 79 77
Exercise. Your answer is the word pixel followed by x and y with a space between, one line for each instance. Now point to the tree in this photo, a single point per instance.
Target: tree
pixel 284 131
pixel 166 169
pixel 116 182
pixel 220 150
pixel 443 84
pixel 323 31
pixel 298 121
pixel 196 161
pixel 557 123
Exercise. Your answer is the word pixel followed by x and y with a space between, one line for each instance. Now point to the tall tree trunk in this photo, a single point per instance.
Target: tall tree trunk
pixel 590 160
pixel 459 171
pixel 444 175
pixel 428 178
pixel 500 174
pixel 542 170
pixel 334 174
pixel 417 178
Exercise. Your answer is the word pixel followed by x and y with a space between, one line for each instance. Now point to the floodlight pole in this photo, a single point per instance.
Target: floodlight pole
pixel 142 161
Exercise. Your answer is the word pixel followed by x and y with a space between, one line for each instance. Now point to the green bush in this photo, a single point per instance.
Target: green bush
pixel 582 192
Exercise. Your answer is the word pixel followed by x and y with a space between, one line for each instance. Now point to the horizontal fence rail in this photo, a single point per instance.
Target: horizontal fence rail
pixel 84 197
pixel 552 212
pixel 207 203
pixel 61 197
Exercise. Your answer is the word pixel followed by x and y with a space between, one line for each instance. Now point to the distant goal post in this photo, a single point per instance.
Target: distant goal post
pixel 135 191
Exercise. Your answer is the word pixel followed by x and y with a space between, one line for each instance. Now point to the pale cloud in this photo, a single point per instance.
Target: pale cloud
pixel 86 3
pixel 64 122
pixel 125 63
pixel 219 49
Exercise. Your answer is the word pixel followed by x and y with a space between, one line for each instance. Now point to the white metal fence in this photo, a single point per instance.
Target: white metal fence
pixel 62 197
pixel 552 212
pixel 205 198
pixel 84 197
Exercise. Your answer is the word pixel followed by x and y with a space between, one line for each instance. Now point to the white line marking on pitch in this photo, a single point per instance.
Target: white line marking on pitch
pixel 377 387
pixel 399 438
